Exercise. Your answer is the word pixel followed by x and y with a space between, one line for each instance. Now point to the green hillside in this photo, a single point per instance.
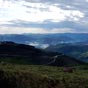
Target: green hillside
pixel 37 76
pixel 77 51
pixel 24 66
pixel 25 54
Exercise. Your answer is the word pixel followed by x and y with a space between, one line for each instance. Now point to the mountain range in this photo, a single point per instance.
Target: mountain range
pixel 72 44
pixel 10 52
pixel 44 40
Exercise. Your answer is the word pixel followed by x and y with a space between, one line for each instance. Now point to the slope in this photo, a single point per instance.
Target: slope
pixel 32 55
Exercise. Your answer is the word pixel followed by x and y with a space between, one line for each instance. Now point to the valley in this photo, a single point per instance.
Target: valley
pixel 45 40
pixel 25 65
pixel 31 55
pixel 78 51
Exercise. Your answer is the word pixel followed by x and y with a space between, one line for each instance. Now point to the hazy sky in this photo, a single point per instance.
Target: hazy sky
pixel 43 16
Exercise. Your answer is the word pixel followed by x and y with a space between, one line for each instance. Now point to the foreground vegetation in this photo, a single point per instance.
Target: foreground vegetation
pixel 37 76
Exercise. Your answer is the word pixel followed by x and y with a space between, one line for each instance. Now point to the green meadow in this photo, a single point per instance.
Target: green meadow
pixel 39 76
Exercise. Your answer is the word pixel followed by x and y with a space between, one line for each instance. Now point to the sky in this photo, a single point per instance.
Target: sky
pixel 43 16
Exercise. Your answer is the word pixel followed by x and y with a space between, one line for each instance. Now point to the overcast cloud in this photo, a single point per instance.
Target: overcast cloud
pixel 43 16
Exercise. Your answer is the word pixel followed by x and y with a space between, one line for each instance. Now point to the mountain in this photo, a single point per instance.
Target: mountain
pixel 31 55
pixel 44 40
pixel 78 51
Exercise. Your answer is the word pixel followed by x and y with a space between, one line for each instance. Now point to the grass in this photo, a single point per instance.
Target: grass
pixel 16 60
pixel 38 76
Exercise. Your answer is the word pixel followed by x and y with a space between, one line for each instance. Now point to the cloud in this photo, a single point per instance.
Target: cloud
pixel 19 30
pixel 47 27
pixel 32 12
pixel 43 16
pixel 38 45
pixel 22 30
